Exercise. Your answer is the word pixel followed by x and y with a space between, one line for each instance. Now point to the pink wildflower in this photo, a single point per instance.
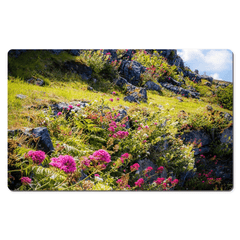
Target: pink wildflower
pixel 160 169
pixel 134 167
pixel 70 106
pixel 101 155
pixel 124 156
pixel 86 162
pixel 118 99
pixel 148 169
pixel 139 128
pixel 155 123
pixel 159 181
pixel 122 134
pixel 26 180
pixel 37 156
pixel 111 129
pixel 139 182
pixel 96 175
pixel 144 141
pixel 174 182
pixel 113 93
pixel 65 163
pixel 78 104
pixel 59 113
pixel 119 181
pixel 111 99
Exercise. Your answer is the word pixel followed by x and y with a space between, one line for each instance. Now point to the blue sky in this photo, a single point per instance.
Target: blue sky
pixel 215 62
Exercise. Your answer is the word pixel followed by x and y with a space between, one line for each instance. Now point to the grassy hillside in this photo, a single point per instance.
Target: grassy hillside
pixel 161 120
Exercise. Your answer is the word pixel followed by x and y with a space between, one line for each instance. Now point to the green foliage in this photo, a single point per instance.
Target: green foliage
pixel 157 67
pixel 225 97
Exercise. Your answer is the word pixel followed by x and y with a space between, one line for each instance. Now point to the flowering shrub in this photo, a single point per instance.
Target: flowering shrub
pixel 157 67
pixel 26 180
pixel 37 156
pixel 65 163
pixel 139 182
pixel 134 167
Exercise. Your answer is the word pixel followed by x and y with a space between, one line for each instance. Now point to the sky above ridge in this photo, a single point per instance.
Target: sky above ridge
pixel 215 62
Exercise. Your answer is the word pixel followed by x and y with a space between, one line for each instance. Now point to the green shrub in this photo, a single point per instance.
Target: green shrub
pixel 225 97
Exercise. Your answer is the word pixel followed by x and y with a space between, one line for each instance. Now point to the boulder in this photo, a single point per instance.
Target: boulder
pixel 123 113
pixel 35 81
pixel 78 68
pixel 132 70
pixel 201 150
pixel 150 85
pixel 172 81
pixel 135 94
pixel 227 116
pixel 198 136
pixel 144 163
pixel 208 84
pixel 44 143
pixel 62 107
pixel 180 90
pixel 226 137
pixel 120 81
pixel 21 96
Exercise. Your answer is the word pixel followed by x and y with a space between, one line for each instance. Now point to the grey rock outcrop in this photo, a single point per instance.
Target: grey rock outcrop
pixel 226 137
pixel 123 113
pixel 197 137
pixel 173 81
pixel 120 82
pixel 144 163
pixel 150 85
pixel 35 81
pixel 44 143
pixel 78 68
pixel 180 90
pixel 135 94
pixel 21 96
pixel 131 70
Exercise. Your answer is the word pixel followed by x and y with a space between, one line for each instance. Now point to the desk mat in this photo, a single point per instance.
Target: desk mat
pixel 120 120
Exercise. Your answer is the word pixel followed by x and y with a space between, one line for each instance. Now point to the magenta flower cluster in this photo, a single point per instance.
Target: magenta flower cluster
pixel 26 180
pixel 134 167
pixel 65 163
pixel 112 126
pixel 159 181
pixel 148 169
pixel 101 156
pixel 37 156
pixel 120 134
pixel 160 169
pixel 124 156
pixel 139 182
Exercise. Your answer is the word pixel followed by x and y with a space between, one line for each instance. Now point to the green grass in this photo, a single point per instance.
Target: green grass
pixel 62 86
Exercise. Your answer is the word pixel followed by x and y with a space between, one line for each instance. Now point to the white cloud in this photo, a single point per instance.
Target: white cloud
pixel 190 54
pixel 207 60
pixel 216 76
pixel 218 59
